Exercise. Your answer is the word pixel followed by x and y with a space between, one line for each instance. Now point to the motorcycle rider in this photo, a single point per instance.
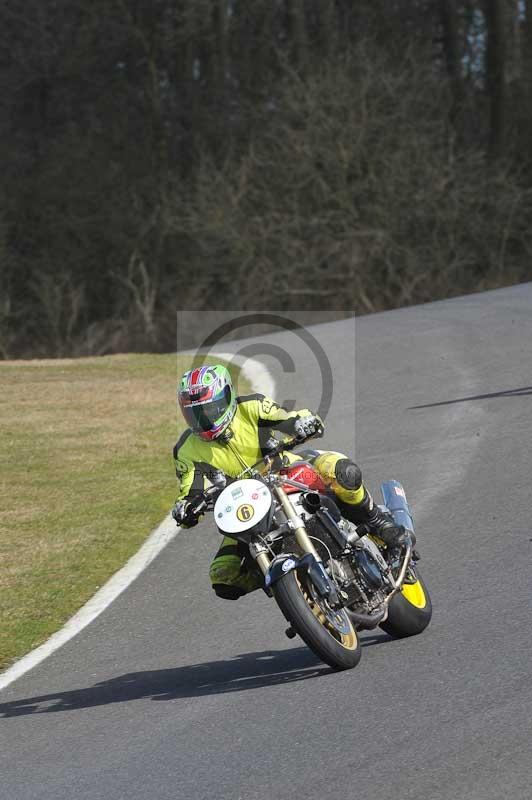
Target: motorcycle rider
pixel 230 433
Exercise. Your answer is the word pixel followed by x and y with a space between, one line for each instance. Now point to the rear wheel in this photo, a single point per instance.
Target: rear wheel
pixel 410 610
pixel 328 632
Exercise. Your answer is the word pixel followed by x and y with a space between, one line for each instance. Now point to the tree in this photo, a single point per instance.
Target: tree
pixel 452 49
pixel 122 122
pixel 496 54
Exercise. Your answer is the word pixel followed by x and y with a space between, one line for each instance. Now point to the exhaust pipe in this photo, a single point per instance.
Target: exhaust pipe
pixel 394 499
pixel 367 622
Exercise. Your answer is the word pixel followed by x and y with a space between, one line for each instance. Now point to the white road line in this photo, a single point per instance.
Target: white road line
pixel 261 381
pixel 160 537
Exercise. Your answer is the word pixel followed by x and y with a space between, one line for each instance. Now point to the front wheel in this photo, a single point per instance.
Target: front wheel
pixel 328 632
pixel 410 610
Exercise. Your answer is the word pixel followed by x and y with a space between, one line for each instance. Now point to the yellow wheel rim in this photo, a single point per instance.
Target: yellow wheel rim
pixel 414 593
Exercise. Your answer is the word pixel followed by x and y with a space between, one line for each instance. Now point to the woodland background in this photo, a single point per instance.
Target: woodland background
pixel 290 154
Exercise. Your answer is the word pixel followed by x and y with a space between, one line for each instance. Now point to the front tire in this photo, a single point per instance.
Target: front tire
pixel 329 634
pixel 410 610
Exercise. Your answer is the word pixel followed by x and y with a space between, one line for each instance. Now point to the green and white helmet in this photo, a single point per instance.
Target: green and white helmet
pixel 208 400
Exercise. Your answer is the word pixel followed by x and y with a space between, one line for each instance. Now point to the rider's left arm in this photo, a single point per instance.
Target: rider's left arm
pixel 272 415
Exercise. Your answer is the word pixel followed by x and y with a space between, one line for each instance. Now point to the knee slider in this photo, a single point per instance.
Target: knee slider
pixel 348 474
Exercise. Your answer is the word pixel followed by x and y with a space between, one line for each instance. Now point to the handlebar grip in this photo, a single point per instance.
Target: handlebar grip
pixel 201 506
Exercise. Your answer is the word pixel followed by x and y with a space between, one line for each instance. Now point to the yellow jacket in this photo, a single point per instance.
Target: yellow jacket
pixel 255 417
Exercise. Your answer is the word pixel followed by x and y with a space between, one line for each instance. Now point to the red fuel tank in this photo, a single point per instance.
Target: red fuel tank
pixel 303 473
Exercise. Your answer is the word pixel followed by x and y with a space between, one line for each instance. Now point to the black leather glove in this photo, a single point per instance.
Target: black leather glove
pixel 304 427
pixel 184 514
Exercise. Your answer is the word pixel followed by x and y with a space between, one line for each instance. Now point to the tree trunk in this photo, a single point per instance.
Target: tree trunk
pixel 496 75
pixel 527 75
pixel 327 33
pixel 452 49
pixel 220 25
pixel 298 31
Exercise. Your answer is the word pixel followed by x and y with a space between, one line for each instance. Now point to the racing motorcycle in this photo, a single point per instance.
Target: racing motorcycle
pixel 330 577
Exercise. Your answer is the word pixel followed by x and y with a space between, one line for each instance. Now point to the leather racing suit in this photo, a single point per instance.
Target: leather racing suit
pixel 243 445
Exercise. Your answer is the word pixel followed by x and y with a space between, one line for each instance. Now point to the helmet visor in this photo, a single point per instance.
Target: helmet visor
pixel 203 417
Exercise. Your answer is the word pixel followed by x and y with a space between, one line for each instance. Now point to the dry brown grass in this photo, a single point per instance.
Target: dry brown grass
pixel 86 473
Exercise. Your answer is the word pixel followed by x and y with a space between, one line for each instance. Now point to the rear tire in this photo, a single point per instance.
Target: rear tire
pixel 331 637
pixel 410 610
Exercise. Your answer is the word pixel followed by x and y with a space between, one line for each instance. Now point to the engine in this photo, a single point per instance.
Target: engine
pixel 358 574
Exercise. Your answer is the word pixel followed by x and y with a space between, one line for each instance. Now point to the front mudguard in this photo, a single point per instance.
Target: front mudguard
pixel 310 566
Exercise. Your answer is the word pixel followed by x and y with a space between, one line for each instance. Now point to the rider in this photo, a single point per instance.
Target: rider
pixel 230 433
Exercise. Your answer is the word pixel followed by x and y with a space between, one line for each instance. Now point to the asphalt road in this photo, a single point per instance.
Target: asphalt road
pixel 174 694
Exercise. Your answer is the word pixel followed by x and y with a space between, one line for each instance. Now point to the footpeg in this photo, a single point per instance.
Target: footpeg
pixel 290 632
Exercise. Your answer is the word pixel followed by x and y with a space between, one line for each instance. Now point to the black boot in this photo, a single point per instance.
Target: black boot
pixel 381 523
pixel 385 527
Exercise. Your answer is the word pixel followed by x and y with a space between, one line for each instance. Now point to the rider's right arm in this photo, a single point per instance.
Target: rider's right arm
pixel 191 476
pixel 191 483
pixel 186 479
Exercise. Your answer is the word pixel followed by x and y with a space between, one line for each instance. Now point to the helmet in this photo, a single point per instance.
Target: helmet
pixel 208 401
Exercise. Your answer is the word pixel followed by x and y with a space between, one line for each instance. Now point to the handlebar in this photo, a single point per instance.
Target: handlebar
pixel 206 499
pixel 287 444
pixel 208 496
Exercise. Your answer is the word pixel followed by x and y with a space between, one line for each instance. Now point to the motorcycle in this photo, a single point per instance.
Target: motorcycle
pixel 330 577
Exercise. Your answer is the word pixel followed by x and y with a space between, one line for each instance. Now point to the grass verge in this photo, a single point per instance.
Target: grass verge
pixel 85 474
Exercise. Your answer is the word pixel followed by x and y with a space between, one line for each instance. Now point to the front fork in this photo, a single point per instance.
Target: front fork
pixel 310 562
pixel 260 553
pixel 296 523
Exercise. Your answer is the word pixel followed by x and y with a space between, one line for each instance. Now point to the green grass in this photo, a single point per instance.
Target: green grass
pixel 86 473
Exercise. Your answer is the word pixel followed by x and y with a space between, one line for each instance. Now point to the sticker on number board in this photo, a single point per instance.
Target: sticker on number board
pixel 245 512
